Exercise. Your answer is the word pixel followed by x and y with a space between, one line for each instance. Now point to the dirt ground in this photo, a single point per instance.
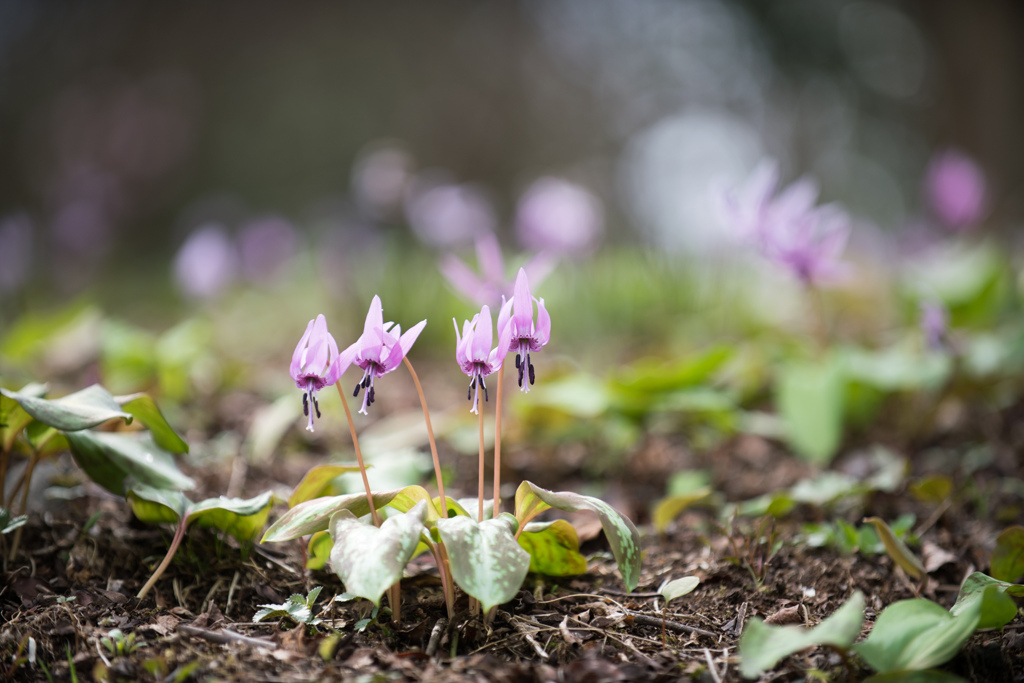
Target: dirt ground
pixel 67 588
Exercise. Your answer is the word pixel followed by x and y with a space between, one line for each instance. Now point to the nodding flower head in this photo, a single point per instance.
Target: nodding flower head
pixel 379 350
pixel 517 331
pixel 315 365
pixel 474 353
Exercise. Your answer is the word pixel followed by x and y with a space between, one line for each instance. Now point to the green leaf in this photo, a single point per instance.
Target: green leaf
pixel 678 588
pixel 83 409
pixel 1008 556
pixel 486 560
pixel 110 458
pixel 318 552
pixel 296 608
pixel 917 634
pixel 315 515
pixel 809 398
pixel 898 368
pixel 241 518
pixel 13 417
pixel 656 376
pixel 762 646
pixel 8 523
pixel 670 507
pixel 997 607
pixel 145 409
pixel 580 395
pixel 897 549
pixel 554 548
pixel 317 483
pixel 157 506
pixel 623 537
pixel 369 560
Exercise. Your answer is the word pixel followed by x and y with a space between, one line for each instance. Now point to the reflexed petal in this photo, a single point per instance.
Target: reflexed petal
pixel 399 350
pixel 540 266
pixel 316 359
pixel 342 362
pixel 464 280
pixel 522 308
pixel 295 369
pixel 504 336
pixel 795 200
pixel 373 331
pixel 504 315
pixel 489 258
pixel 543 333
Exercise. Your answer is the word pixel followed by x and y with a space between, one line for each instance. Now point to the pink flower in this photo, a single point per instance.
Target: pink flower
pixel 558 216
pixel 490 286
pixel 315 365
pixel 474 353
pixel 955 189
pixel 517 331
pixel 378 351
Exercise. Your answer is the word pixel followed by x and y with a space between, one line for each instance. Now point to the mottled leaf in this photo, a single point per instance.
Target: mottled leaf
pixel 997 607
pixel 157 506
pixel 486 560
pixel 13 417
pixel 110 458
pixel 623 537
pixel 762 646
pixel 554 548
pixel 83 409
pixel 143 407
pixel 238 517
pixel 315 515
pixel 678 588
pixel 368 559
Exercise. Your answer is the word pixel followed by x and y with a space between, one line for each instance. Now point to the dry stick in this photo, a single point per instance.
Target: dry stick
pixel 224 636
pixel 430 435
pixel 179 534
pixel 435 636
pixel 497 443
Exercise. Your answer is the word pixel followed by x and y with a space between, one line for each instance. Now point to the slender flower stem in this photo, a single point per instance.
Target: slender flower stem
pixel 446 578
pixel 430 435
pixel 497 443
pixel 818 313
pixel 179 534
pixel 480 484
pixel 24 501
pixel 359 456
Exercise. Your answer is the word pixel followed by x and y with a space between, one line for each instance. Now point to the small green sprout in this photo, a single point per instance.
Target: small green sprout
pixel 118 644
pixel 296 608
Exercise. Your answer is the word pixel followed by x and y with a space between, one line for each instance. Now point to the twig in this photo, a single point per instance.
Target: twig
pixel 435 636
pixel 231 592
pixel 224 636
pixel 648 620
pixel 525 633
pixel 711 666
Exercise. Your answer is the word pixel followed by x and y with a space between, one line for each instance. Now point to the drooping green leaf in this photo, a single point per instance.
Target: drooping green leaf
pixel 997 608
pixel 315 515
pixel 83 409
pixel 317 482
pixel 157 506
pixel 369 560
pixel 670 507
pixel 110 458
pixel 809 397
pixel 486 560
pixel 622 535
pixel 1008 556
pixel 917 634
pixel 554 548
pixel 13 417
pixel 762 646
pixel 897 549
pixel 241 518
pixel 318 552
pixel 678 588
pixel 145 409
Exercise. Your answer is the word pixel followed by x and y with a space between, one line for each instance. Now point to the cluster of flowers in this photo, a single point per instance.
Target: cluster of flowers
pixel 317 362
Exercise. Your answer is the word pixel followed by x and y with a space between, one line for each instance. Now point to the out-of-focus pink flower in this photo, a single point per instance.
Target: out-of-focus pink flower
pixel 955 190
pixel 446 216
pixel 315 365
pixel 474 353
pixel 206 263
pixel 517 331
pixel 15 251
pixel 379 178
pixel 559 216
pixel 935 324
pixel 265 246
pixel 490 285
pixel 378 351
pixel 751 209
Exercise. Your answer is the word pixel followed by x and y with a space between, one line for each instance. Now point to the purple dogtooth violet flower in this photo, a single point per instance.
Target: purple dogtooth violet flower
pixel 810 244
pixel 955 190
pixel 934 324
pixel 515 324
pixel 315 365
pixel 474 353
pixel 752 209
pixel 490 286
pixel 379 350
